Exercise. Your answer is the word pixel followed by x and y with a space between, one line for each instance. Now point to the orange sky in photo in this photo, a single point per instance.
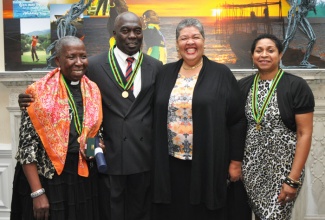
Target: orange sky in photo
pixel 195 8
pixel 171 8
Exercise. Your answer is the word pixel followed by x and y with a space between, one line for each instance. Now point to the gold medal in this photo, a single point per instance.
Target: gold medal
pixel 128 85
pixel 78 139
pixel 259 113
pixel 125 94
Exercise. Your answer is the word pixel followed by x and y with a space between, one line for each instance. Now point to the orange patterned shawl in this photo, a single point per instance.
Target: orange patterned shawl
pixel 49 114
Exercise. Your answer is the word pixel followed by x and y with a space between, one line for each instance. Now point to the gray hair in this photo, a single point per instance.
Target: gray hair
pixel 189 22
pixel 67 40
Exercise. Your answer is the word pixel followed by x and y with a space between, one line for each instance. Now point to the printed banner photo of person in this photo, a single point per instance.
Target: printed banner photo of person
pixel 34 47
pixel 153 38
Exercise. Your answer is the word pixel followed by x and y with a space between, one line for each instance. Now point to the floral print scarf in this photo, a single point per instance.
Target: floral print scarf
pixel 49 114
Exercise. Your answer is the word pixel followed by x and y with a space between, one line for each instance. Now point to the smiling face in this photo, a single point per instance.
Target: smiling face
pixel 72 60
pixel 266 56
pixel 128 33
pixel 191 45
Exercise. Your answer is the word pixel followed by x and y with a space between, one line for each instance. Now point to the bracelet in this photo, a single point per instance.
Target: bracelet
pixel 291 183
pixel 37 193
pixel 295 181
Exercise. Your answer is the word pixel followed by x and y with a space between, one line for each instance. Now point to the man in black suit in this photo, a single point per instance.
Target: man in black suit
pixel 127 122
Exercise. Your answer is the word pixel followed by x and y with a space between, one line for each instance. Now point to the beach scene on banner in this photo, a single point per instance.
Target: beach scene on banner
pixel 229 27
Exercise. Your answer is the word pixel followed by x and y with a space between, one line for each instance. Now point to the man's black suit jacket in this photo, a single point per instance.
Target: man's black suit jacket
pixel 127 122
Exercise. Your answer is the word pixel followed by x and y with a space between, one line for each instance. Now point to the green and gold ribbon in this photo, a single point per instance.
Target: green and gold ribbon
pixel 73 106
pixel 258 114
pixel 112 63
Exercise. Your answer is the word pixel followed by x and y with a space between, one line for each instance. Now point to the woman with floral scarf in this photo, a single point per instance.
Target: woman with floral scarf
pixel 54 179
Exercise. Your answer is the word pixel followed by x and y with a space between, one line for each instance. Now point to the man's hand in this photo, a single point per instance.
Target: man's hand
pixel 102 145
pixel 24 100
pixel 235 171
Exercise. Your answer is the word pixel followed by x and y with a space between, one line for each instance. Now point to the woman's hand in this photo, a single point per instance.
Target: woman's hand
pixel 40 203
pixel 287 194
pixel 101 145
pixel 235 171
pixel 41 207
pixel 83 154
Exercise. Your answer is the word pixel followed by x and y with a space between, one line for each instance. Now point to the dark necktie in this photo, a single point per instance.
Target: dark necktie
pixel 128 72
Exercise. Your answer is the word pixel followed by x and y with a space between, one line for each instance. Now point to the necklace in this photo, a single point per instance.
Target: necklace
pixel 193 67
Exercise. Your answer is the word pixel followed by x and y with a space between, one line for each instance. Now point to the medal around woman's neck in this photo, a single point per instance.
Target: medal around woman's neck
pixel 258 114
pixel 77 121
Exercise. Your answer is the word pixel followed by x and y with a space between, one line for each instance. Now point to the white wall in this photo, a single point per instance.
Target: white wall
pixel 6 161
pixel 5 135
pixel 2 65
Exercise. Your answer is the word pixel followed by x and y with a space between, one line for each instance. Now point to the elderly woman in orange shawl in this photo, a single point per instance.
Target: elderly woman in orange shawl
pixel 53 176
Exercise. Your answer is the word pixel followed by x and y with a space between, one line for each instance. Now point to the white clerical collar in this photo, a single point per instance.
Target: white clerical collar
pixel 74 83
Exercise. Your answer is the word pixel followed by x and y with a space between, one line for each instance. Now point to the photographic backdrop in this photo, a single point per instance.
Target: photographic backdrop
pixel 229 28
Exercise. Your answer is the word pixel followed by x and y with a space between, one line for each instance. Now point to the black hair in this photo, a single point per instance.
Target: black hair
pixel 276 40
pixel 148 13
